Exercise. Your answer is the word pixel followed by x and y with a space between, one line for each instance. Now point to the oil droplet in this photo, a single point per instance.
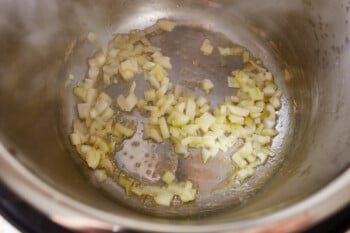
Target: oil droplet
pixel 135 143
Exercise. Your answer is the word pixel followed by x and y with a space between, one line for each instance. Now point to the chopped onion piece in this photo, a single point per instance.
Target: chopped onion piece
pixel 93 158
pixel 176 188
pixel 127 132
pixel 178 119
pixel 201 101
pixel 205 155
pixel 100 175
pixel 207 47
pixel 287 75
pixel 154 82
pixel 232 82
pixel 190 129
pixel 205 121
pixel 269 132
pixel 236 50
pixel 137 190
pixel 164 198
pixel 127 104
pixel 166 25
pixel 238 110
pixel 245 56
pixel 107 114
pixel 141 104
pixel 206 85
pixel 190 108
pixel 151 190
pixel 107 165
pixel 75 139
pixel 269 90
pixel 168 177
pixel 92 38
pixel 164 128
pixel 132 87
pixel 236 119
pixel 163 61
pixel 128 69
pixel 262 156
pixel 188 195
pixel 93 72
pixel 256 94
pixel 83 110
pixel 276 103
pixel 225 51
pixel 126 183
pixel 180 107
pixel 149 65
pixel 245 173
pixel 80 92
pixel 91 96
pixel 101 106
pixel 150 95
pixel 177 91
pixel 193 141
pixel 155 135
pixel 167 104
pixel 236 157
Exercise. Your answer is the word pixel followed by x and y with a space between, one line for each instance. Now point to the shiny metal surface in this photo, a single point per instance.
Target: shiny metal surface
pixel 308 38
pixel 147 161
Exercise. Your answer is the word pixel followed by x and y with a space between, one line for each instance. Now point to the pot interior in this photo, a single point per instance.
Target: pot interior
pixel 303 43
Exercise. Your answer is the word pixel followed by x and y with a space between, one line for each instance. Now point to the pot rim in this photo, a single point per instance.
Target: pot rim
pixel 72 214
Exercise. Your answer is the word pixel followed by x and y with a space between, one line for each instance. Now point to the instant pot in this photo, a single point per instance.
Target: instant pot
pixel 42 42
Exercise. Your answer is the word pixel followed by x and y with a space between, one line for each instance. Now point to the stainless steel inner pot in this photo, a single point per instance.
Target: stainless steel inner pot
pixel 43 41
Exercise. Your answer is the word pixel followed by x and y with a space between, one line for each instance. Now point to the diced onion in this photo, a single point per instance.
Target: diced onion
pixel 247 118
pixel 245 173
pixel 127 132
pixel 75 139
pixel 100 175
pixel 164 128
pixel 93 158
pixel 91 37
pixel 224 51
pixel 83 110
pixel 168 177
pixel 206 85
pixel 166 25
pixel 207 47
pixel 163 198
pixel 205 121
pixel 128 69
pixel 127 104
